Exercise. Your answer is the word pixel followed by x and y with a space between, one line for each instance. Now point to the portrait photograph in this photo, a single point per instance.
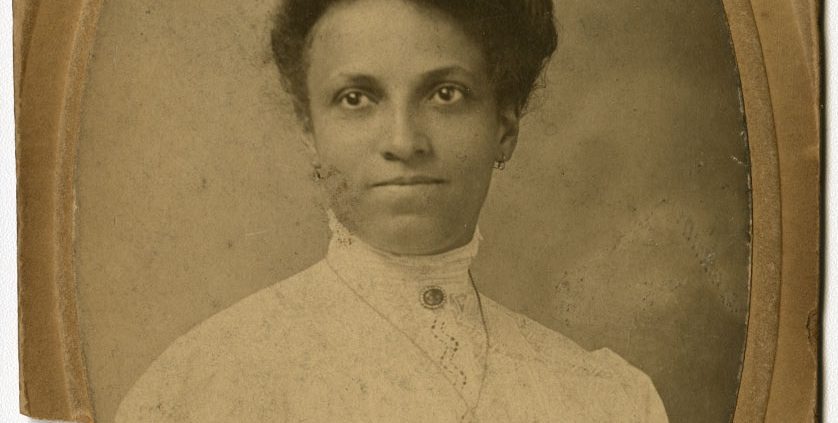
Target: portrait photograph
pixel 418 211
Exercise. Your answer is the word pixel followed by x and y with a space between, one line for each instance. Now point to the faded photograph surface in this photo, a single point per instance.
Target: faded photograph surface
pixel 378 210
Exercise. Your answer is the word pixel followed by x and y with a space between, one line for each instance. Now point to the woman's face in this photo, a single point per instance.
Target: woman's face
pixel 404 124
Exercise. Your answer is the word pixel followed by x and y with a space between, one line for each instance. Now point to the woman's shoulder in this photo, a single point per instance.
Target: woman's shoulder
pixel 297 301
pixel 599 373
pixel 523 334
pixel 209 360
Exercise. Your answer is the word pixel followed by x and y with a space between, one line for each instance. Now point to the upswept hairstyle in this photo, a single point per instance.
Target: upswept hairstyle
pixel 517 36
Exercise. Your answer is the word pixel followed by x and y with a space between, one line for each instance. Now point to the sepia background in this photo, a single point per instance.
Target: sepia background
pixel 622 221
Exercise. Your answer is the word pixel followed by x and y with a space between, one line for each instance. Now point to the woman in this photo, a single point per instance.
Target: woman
pixel 408 106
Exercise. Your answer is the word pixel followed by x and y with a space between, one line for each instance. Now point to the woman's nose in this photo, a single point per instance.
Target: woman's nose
pixel 406 139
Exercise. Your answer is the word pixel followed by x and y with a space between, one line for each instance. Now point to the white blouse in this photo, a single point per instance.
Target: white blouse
pixel 367 336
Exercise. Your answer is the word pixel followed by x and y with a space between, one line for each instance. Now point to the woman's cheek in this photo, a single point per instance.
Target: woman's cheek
pixel 344 144
pixel 475 150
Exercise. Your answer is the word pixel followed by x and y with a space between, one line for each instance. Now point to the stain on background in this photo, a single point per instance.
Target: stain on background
pixel 622 220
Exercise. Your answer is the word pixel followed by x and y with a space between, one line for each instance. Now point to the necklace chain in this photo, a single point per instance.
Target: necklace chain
pixel 472 409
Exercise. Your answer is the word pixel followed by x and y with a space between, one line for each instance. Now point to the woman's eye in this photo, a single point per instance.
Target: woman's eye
pixel 447 95
pixel 355 100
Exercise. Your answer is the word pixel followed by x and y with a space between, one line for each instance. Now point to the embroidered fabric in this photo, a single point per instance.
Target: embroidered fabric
pixel 452 335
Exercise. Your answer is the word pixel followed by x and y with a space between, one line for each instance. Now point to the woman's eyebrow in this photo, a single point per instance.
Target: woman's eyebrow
pixel 444 72
pixel 358 79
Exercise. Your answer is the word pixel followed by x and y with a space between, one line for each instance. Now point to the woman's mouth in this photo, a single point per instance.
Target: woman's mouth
pixel 410 181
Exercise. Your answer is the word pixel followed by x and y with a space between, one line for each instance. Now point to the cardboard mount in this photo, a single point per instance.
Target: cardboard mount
pixel 777 46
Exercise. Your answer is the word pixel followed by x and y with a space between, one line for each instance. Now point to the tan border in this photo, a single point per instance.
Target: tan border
pixel 761 342
pixel 53 47
pixel 789 31
pixel 776 47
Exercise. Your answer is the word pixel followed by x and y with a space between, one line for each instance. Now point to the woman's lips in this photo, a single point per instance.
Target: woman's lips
pixel 410 181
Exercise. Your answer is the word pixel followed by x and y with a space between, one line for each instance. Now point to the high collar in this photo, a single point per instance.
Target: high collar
pixel 452 334
pixel 349 254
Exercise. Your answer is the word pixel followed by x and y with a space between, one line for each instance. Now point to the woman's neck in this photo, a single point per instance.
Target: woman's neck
pixel 349 254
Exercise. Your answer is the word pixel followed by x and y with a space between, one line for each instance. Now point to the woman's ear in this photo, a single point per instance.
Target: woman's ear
pixel 308 132
pixel 510 116
pixel 311 148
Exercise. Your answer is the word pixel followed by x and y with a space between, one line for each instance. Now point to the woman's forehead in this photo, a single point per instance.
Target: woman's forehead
pixel 382 37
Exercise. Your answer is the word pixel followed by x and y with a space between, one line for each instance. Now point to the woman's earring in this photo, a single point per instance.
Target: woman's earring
pixel 501 164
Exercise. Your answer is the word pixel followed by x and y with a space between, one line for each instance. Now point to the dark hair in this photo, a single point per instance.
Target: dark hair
pixel 517 36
